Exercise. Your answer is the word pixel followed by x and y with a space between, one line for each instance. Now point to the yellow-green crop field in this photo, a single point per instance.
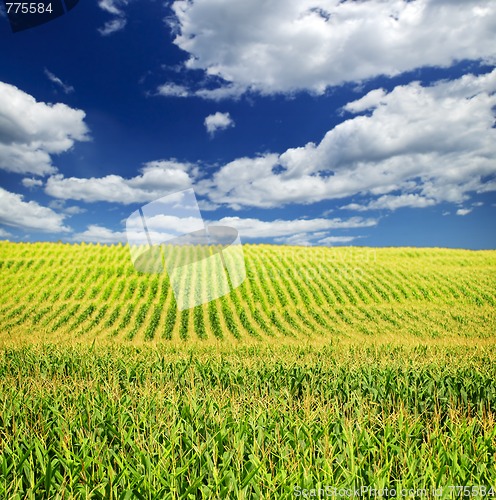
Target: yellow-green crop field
pixel 328 372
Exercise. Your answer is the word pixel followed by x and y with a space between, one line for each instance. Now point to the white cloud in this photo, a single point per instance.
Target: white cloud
pixel 74 210
pixel 255 228
pixel 206 206
pixel 168 225
pixel 311 239
pixel 118 22
pixel 16 212
pixel 368 101
pixel 157 179
pixel 95 233
pixel 216 94
pixel 99 234
pixel 392 202
pixel 333 240
pixel 173 90
pixel 112 6
pixel 220 93
pixel 60 206
pixel 4 234
pixel 30 183
pixel 487 187
pixel 289 45
pixel 31 132
pixel 416 146
pixel 292 232
pixel 113 26
pixel 218 121
pixel 299 239
pixel 67 89
pixel 463 211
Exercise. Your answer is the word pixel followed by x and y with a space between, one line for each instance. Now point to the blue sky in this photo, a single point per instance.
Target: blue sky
pixel 319 122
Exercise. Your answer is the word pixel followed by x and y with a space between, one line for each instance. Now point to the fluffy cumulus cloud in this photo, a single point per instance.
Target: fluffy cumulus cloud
pixel 289 45
pixel 118 20
pixel 31 131
pixel 218 121
pixel 160 225
pixel 156 179
pixel 29 215
pixel 415 146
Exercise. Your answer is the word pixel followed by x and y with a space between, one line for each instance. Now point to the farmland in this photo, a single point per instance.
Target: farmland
pixel 83 292
pixel 327 367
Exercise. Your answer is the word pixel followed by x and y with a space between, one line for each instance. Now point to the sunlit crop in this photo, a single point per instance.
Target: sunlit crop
pixel 327 367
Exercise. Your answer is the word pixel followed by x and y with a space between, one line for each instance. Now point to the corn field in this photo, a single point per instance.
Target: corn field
pixel 327 368
pixel 57 292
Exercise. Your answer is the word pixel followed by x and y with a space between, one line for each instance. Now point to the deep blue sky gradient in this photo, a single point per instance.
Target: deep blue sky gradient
pixel 115 79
